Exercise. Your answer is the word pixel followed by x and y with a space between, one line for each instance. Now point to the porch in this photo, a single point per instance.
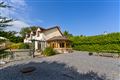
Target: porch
pixel 60 44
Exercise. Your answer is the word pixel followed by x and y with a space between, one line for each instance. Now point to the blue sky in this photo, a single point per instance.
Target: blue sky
pixel 86 17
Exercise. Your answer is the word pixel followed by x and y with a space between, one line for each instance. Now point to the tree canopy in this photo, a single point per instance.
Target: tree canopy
pixel 67 34
pixel 11 36
pixel 4 20
pixel 27 30
pixel 2 5
pixel 4 23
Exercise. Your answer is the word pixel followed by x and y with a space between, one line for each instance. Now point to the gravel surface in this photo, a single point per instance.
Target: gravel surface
pixel 71 66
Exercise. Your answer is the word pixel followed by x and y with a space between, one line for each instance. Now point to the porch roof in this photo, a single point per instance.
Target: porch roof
pixel 63 38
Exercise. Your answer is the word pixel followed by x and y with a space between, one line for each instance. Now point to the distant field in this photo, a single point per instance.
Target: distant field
pixel 99 43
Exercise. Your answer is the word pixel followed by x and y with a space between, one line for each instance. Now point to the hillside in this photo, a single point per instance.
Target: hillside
pixel 99 43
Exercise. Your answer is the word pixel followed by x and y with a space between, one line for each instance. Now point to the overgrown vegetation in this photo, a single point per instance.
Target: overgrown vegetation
pixel 99 43
pixel 19 46
pixel 49 51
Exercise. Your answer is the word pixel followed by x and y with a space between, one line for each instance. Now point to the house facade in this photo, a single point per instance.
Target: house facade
pixel 51 37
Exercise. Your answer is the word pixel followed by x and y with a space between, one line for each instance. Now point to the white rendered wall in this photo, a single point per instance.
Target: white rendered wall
pixel 36 45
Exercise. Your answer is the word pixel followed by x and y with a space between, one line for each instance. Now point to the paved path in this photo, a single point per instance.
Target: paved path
pixel 73 66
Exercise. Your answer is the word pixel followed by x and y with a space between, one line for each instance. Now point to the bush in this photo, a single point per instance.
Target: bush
pixel 24 46
pixel 19 46
pixel 49 51
pixel 14 46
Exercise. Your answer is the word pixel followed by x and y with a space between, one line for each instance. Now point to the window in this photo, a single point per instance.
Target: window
pixel 52 45
pixel 68 45
pixel 62 45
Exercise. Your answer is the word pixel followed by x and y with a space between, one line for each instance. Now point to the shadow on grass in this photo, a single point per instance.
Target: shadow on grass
pixel 47 71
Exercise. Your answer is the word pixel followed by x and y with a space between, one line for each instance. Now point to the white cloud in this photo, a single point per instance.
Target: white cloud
pixel 35 20
pixel 18 8
pixel 40 21
pixel 16 12
pixel 20 2
pixel 17 25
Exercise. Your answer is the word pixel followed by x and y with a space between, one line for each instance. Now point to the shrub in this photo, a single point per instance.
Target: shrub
pixel 19 46
pixel 14 46
pixel 49 51
pixel 24 46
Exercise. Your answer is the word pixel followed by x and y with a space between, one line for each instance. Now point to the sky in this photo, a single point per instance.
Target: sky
pixel 78 17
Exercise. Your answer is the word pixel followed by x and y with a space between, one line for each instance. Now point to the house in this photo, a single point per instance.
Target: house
pixel 51 37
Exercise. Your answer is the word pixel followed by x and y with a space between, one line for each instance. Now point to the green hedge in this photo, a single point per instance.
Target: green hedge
pixel 98 43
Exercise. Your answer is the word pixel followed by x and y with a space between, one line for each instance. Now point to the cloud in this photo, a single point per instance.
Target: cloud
pixel 34 21
pixel 40 21
pixel 17 25
pixel 20 2
pixel 18 10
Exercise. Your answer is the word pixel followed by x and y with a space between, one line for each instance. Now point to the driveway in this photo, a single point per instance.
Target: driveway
pixel 72 66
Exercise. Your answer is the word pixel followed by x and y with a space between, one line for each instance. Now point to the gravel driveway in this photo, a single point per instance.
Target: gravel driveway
pixel 72 66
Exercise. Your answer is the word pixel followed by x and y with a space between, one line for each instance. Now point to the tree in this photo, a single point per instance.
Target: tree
pixel 3 23
pixel 27 30
pixel 67 34
pixel 24 31
pixel 34 28
pixel 4 20
pixel 11 36
pixel 4 5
